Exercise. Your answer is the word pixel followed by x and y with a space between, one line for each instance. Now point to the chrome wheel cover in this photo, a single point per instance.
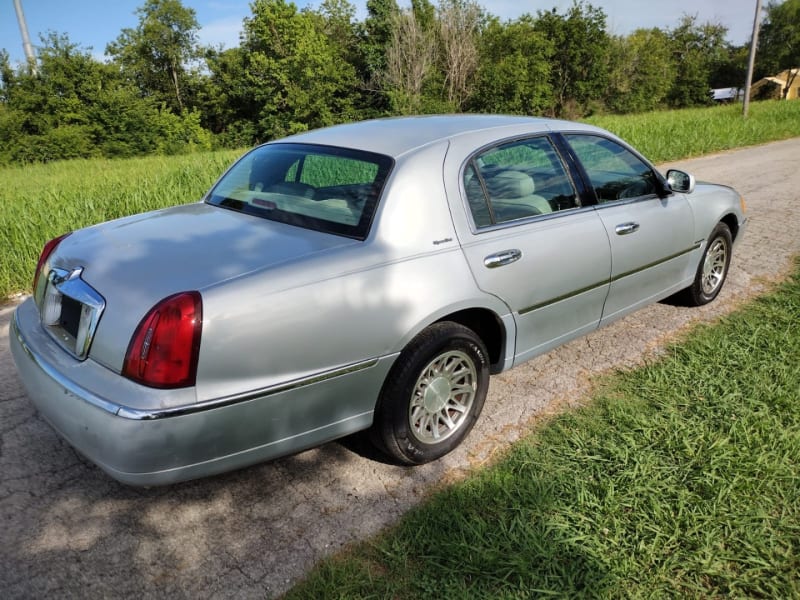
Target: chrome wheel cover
pixel 714 266
pixel 442 397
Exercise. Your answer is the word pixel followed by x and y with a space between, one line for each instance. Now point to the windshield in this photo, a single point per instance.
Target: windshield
pixel 324 188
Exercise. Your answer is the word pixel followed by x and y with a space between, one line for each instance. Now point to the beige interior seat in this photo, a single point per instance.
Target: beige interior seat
pixel 516 189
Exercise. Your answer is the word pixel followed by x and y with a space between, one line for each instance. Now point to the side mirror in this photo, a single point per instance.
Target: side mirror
pixel 680 181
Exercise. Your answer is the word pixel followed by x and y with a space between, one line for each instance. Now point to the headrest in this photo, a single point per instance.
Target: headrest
pixel 510 184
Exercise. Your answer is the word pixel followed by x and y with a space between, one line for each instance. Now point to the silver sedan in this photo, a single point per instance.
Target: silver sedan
pixel 368 276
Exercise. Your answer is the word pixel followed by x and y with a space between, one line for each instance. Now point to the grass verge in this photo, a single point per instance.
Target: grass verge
pixel 675 134
pixel 678 479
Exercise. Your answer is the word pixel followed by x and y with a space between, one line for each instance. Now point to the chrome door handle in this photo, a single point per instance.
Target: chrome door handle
pixel 498 259
pixel 626 228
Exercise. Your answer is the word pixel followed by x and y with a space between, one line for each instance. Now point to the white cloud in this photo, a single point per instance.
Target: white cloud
pixel 221 31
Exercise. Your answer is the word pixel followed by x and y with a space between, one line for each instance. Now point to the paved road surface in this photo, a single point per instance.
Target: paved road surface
pixel 68 530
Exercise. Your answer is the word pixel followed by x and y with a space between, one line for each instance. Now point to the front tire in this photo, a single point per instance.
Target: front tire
pixel 433 394
pixel 713 268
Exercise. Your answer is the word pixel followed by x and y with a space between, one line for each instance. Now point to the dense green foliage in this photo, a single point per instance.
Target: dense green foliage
pixel 678 480
pixel 161 92
pixel 77 107
pixel 156 54
pixel 579 65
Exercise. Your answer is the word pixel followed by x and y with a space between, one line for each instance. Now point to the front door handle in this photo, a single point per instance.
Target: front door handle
pixel 498 259
pixel 626 228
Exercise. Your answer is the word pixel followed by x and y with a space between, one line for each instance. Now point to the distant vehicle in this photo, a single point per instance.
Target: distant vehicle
pixel 726 95
pixel 364 276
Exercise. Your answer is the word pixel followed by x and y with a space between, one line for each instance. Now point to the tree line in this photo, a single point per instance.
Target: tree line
pixel 161 91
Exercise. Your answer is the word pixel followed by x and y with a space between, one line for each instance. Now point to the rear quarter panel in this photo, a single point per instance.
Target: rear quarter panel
pixel 352 304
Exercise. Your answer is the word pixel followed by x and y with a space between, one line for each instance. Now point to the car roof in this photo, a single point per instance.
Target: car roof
pixel 400 135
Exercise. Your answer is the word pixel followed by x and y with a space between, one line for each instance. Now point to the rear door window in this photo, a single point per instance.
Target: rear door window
pixel 517 180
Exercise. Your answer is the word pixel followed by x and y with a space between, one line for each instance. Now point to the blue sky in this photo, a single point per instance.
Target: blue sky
pixel 95 23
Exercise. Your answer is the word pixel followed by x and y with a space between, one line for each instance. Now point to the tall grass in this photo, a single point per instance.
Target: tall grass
pixel 679 480
pixel 670 135
pixel 38 202
pixel 41 201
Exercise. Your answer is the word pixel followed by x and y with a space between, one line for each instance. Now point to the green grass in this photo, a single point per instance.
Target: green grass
pixel 38 202
pixel 679 479
pixel 41 201
pixel 674 134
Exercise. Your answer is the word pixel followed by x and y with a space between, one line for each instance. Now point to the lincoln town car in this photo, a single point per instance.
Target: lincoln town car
pixel 362 277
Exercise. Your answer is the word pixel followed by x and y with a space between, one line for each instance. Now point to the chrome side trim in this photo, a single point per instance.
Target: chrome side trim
pixel 186 409
pixel 654 264
pixel 589 288
pixel 139 414
pixel 566 296
pixel 526 220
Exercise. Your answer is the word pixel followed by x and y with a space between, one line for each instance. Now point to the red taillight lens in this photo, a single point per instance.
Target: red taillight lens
pixel 164 349
pixel 46 252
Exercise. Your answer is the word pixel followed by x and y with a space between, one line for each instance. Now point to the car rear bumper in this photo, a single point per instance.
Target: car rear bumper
pixel 157 446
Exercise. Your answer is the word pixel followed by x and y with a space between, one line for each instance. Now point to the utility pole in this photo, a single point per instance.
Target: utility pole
pixel 752 60
pixel 26 39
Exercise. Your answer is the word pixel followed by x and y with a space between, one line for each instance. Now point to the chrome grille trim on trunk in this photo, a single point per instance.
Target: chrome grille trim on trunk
pixel 70 310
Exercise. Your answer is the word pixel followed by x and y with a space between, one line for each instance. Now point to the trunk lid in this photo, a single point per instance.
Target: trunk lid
pixel 136 261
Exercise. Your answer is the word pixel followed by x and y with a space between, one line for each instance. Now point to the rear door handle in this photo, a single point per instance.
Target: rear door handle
pixel 626 228
pixel 498 259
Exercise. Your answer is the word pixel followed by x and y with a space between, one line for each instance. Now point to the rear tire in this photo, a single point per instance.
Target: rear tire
pixel 432 395
pixel 712 270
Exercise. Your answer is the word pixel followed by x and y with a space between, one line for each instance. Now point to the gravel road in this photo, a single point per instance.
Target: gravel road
pixel 68 530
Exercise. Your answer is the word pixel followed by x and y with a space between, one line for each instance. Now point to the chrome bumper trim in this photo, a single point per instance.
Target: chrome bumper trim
pixel 138 414
pixel 47 369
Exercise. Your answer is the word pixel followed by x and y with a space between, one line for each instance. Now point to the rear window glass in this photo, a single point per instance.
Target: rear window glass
pixel 334 190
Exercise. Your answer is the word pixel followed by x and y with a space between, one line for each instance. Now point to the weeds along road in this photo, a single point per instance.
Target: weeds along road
pixel 68 530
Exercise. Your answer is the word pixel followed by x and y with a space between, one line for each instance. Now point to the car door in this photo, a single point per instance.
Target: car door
pixel 651 233
pixel 532 244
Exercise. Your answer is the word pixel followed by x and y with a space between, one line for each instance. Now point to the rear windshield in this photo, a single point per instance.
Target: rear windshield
pixel 328 189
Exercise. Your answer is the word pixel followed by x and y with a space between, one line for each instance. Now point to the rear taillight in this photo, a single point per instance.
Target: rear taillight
pixel 46 252
pixel 164 349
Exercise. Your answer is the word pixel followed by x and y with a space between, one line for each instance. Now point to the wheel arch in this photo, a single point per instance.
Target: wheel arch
pixel 489 327
pixel 733 224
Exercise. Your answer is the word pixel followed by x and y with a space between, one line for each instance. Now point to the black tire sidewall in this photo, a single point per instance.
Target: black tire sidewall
pixel 699 297
pixel 392 419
